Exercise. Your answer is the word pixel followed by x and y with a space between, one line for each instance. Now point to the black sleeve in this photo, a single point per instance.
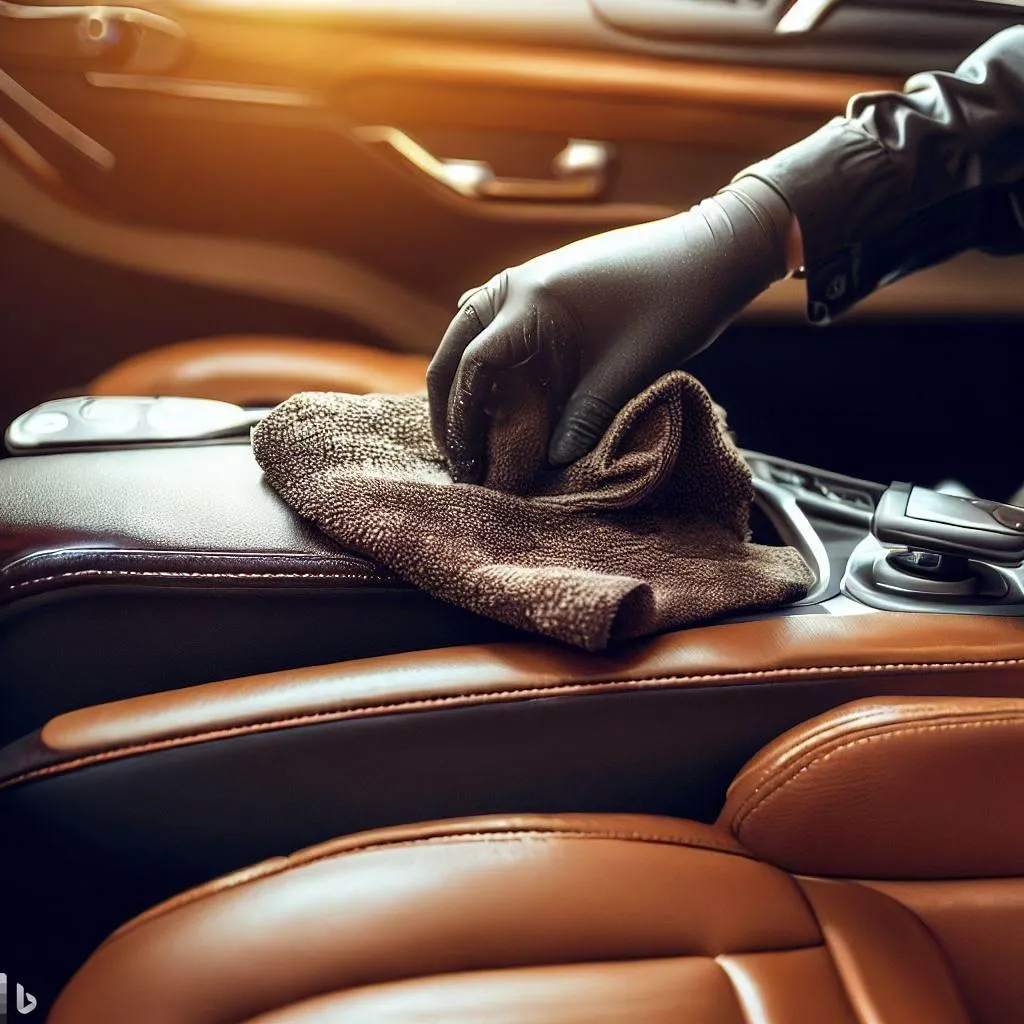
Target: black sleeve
pixel 906 180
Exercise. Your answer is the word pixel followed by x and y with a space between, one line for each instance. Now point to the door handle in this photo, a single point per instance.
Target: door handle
pixel 580 171
pixel 802 16
pixel 88 36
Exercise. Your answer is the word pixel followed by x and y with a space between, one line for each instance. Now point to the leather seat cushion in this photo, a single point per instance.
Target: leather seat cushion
pixel 262 370
pixel 609 917
pixel 602 918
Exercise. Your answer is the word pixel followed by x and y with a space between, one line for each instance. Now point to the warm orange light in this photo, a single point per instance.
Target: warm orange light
pixel 297 6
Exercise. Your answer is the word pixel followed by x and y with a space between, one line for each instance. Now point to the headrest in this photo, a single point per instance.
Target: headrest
pixel 890 788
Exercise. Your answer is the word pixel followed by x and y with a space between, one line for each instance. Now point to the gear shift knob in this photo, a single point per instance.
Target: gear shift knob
pixel 928 520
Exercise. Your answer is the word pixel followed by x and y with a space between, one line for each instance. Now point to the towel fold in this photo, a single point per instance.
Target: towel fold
pixel 646 533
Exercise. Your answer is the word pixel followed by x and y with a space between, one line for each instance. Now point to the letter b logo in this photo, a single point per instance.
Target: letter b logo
pixel 25 1002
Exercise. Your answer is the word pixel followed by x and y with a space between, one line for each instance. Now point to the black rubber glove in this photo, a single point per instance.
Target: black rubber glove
pixel 596 322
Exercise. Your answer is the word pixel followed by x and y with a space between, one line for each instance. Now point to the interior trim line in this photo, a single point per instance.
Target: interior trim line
pixel 52 121
pixel 290 274
pixel 803 15
pixel 220 92
pixel 339 59
pixel 781 507
pixel 50 761
pixel 26 153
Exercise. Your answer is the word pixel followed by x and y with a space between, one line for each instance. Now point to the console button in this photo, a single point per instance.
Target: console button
pixel 192 417
pixel 843 495
pixel 789 477
pixel 111 416
pixel 46 423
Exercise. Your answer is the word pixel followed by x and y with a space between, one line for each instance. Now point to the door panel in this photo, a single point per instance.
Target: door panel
pixel 258 165
pixel 241 166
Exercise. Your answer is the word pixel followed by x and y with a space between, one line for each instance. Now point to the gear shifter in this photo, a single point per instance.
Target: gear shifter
pixel 931 551
pixel 947 524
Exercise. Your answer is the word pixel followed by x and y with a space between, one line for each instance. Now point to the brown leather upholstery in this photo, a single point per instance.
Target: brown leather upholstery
pixel 497 919
pixel 175 789
pixel 607 917
pixel 877 945
pixel 874 779
pixel 980 925
pixel 255 370
pixel 875 653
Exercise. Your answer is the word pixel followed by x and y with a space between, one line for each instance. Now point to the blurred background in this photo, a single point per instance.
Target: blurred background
pixel 240 199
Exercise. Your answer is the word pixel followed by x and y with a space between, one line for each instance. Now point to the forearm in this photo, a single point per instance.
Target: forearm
pixel 907 179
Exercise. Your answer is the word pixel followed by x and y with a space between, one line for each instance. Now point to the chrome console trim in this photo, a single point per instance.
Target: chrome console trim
pixel 781 507
pixel 859 582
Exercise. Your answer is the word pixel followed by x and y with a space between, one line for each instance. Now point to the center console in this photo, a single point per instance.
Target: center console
pixel 141 551
pixel 163 560
pixel 156 570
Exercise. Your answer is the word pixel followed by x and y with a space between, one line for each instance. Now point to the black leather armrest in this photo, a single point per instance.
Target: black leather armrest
pixel 197 517
pixel 131 572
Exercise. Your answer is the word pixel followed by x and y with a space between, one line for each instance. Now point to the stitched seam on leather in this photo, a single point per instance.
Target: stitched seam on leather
pixel 170 574
pixel 831 741
pixel 821 733
pixel 745 814
pixel 471 699
pixel 187 899
pixel 819 738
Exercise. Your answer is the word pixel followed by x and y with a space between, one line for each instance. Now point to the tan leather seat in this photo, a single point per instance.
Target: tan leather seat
pixel 256 370
pixel 867 867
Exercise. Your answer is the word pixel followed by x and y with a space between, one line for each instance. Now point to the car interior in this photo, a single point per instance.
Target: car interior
pixel 247 775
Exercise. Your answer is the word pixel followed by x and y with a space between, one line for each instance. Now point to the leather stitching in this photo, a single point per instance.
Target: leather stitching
pixel 292 864
pixel 501 696
pixel 759 799
pixel 169 574
pixel 820 734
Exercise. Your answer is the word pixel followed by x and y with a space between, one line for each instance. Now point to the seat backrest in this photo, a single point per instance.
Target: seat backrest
pixel 922 801
pixel 262 370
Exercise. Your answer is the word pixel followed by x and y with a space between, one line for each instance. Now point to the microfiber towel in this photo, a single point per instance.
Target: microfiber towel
pixel 646 533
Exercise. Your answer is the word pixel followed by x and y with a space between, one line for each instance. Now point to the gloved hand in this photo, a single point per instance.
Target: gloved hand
pixel 596 322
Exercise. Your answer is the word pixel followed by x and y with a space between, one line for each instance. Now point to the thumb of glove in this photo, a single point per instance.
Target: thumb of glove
pixel 583 423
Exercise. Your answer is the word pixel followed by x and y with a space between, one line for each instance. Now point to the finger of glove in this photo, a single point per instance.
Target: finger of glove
pixel 583 424
pixel 443 367
pixel 487 298
pixel 484 358
pixel 477 309
pixel 588 414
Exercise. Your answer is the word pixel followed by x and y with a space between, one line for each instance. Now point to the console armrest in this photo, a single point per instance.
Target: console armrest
pixel 129 572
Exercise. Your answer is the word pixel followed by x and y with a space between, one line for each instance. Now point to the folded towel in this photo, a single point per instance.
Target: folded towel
pixel 647 532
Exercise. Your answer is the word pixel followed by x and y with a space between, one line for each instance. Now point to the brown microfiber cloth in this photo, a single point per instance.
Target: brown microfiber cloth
pixel 647 532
